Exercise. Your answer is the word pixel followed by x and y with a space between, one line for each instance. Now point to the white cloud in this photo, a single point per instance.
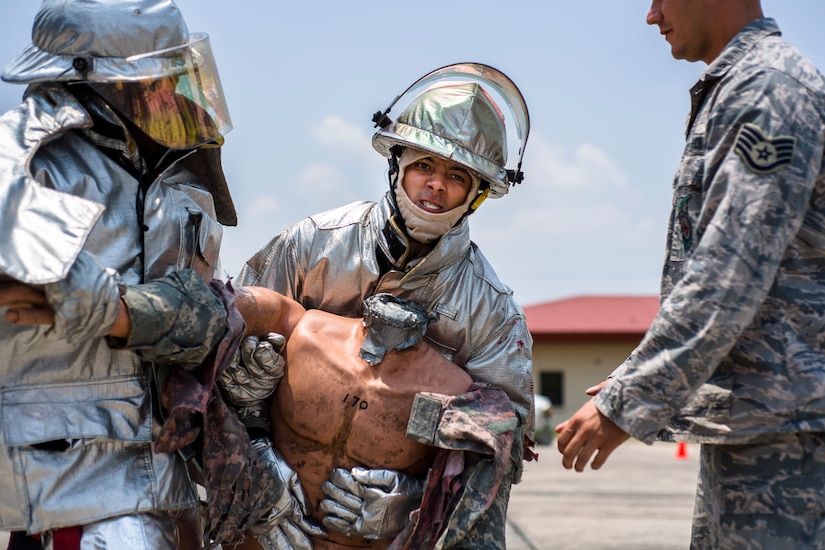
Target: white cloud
pixel 576 218
pixel 337 134
pixel 320 178
pixel 262 207
pixel 567 191
pixel 583 168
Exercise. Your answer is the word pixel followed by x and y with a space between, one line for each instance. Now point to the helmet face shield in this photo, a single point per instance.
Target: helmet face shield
pixel 469 113
pixel 173 95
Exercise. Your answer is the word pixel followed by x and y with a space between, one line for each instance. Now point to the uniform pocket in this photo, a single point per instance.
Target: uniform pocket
pixel 203 242
pixel 193 242
pixel 687 200
pixel 446 351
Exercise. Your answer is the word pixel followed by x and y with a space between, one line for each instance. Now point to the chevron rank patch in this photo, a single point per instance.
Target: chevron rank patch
pixel 762 154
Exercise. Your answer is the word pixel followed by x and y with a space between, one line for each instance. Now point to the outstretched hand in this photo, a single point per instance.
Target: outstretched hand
pixel 586 432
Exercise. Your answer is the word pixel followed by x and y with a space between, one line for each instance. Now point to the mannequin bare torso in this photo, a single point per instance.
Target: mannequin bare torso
pixel 332 409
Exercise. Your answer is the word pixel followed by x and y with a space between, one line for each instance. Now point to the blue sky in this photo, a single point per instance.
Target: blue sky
pixel 607 105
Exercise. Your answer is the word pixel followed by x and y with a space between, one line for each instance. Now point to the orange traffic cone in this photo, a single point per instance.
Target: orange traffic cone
pixel 681 450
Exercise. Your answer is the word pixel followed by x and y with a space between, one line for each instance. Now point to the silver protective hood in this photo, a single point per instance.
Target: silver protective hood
pixel 99 41
pixel 139 56
pixel 462 113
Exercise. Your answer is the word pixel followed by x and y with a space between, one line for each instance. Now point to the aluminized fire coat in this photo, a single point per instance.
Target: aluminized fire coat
pixel 329 262
pixel 77 420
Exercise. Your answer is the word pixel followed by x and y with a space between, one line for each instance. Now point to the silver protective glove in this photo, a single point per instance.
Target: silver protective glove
pixel 374 504
pixel 86 302
pixel 253 376
pixel 287 525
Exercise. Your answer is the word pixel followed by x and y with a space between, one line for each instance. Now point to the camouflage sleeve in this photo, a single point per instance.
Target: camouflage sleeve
pixel 505 360
pixel 176 320
pixel 480 427
pixel 749 212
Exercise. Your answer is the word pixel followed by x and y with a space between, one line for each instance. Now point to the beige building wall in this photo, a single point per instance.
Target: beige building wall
pixel 583 364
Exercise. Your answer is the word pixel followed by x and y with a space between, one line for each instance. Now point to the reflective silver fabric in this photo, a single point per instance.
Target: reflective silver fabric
pixel 394 324
pixel 328 262
pixel 42 230
pixel 459 122
pixel 94 400
pixel 64 31
pixel 470 113
pixel 140 56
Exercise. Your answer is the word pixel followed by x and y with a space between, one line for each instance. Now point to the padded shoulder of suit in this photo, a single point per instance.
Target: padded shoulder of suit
pixel 484 271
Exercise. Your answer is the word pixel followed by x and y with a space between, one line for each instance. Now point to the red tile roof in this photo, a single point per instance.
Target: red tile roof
pixel 592 316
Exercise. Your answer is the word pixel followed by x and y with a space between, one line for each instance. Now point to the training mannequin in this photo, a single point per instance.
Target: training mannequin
pixel 347 393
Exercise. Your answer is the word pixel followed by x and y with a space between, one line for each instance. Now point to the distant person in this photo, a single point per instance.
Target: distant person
pixel 447 153
pixel 735 359
pixel 544 420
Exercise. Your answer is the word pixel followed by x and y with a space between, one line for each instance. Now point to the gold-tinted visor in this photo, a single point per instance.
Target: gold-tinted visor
pixel 174 95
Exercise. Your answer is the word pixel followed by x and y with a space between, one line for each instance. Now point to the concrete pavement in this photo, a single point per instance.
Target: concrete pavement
pixel 641 499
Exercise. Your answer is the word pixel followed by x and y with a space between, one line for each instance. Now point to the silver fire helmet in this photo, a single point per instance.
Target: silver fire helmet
pixel 140 56
pixel 465 113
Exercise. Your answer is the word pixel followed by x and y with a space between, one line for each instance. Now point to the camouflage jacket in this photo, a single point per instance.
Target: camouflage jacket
pixel 468 485
pixel 737 351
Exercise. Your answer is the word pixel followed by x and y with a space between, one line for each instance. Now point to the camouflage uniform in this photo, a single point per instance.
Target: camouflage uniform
pixel 193 329
pixel 736 355
pixel 474 432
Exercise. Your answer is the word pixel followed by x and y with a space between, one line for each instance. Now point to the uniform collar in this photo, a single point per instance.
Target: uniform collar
pixel 42 250
pixel 741 44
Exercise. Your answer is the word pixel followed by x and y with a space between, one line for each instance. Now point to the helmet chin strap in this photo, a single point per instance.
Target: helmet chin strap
pixel 393 173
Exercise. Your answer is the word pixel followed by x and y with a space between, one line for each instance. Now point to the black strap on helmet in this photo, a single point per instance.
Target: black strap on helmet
pixel 515 176
pixel 381 119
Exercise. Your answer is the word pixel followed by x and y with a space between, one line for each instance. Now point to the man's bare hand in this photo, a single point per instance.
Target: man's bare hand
pixel 27 305
pixel 586 432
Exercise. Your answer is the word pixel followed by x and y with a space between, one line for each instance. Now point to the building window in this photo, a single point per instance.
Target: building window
pixel 551 384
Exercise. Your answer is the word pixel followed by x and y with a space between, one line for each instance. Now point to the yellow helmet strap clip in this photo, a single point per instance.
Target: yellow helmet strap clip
pixel 479 199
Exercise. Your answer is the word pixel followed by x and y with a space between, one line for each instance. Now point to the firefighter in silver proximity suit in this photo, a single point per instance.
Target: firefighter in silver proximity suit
pixel 456 118
pixel 110 175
